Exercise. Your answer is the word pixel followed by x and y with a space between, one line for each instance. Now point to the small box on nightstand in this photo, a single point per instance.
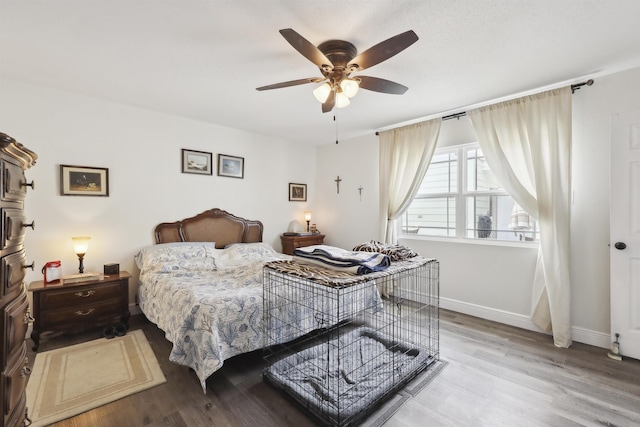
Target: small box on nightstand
pixel 110 269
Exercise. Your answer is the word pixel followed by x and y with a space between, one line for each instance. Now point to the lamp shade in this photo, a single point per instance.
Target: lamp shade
pixel 342 100
pixel 307 215
pixel 80 244
pixel 349 87
pixel 322 92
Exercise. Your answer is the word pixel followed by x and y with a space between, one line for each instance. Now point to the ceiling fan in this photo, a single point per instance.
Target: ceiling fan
pixel 337 59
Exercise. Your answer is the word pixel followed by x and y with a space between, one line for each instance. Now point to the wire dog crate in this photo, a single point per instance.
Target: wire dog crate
pixel 336 346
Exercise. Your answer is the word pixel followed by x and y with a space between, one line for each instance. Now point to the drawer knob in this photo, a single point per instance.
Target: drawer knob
pixel 31 184
pixel 84 294
pixel 32 225
pixel 85 312
pixel 32 266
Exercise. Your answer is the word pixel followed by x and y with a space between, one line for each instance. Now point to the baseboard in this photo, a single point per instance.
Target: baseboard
pixel 594 338
pixel 581 335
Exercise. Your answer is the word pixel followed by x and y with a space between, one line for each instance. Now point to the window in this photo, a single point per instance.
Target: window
pixel 460 197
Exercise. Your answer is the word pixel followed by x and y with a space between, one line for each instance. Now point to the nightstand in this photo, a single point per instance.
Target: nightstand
pixel 79 306
pixel 289 243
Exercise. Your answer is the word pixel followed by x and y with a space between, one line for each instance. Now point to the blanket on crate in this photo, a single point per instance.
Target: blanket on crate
pixel 340 259
pixel 395 252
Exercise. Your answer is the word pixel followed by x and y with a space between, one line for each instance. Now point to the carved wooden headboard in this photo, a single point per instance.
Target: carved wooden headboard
pixel 214 225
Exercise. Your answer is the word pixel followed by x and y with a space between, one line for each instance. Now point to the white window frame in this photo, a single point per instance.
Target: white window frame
pixel 461 196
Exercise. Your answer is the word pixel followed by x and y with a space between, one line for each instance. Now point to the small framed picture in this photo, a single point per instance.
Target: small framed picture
pixel 230 166
pixel 84 181
pixel 198 162
pixel 297 192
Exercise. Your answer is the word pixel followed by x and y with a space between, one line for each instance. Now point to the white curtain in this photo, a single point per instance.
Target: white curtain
pixel 527 144
pixel 405 154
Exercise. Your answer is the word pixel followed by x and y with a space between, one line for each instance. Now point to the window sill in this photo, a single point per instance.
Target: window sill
pixel 505 243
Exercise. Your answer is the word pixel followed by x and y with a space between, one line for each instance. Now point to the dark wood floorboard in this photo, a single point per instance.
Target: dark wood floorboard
pixel 497 375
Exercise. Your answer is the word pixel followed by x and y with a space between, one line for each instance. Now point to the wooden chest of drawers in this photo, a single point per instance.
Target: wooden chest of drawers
pixel 14 373
pixel 80 306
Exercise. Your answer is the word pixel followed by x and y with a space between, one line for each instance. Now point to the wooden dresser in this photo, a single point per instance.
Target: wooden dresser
pixel 289 243
pixel 79 306
pixel 14 317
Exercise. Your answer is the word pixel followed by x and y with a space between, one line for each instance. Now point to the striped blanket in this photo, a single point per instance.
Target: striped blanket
pixel 340 259
pixel 395 252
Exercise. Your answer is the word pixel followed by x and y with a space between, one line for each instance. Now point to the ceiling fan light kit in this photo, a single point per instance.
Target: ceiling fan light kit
pixel 322 92
pixel 337 59
pixel 349 87
pixel 342 100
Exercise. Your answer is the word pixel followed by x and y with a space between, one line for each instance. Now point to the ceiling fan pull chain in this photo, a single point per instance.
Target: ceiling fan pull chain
pixel 335 119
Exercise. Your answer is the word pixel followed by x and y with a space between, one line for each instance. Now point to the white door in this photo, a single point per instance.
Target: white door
pixel 625 231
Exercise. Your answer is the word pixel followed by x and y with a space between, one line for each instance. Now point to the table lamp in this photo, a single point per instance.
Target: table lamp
pixel 307 217
pixel 80 246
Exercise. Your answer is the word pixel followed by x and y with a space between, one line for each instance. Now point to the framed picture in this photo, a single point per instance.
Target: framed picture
pixel 297 192
pixel 84 181
pixel 198 162
pixel 230 166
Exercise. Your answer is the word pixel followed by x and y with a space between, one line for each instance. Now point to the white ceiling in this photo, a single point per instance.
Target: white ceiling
pixel 204 59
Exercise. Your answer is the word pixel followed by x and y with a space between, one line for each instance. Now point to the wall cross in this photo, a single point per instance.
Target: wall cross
pixel 338 180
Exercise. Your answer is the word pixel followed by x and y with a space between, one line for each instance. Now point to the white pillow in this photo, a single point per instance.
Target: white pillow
pixel 173 251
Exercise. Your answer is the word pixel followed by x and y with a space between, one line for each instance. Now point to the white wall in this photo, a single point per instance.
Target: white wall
pixel 494 282
pixel 142 150
pixel 348 218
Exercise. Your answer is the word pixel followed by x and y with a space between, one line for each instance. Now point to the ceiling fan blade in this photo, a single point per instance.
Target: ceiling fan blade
pixel 291 83
pixel 383 50
pixel 308 50
pixel 329 103
pixel 381 85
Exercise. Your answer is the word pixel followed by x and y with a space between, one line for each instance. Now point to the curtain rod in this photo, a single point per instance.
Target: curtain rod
pixel 574 88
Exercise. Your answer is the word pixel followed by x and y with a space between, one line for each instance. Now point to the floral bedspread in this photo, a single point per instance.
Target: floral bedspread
pixel 208 301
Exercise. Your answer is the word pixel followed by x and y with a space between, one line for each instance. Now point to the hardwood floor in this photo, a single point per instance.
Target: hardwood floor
pixel 497 376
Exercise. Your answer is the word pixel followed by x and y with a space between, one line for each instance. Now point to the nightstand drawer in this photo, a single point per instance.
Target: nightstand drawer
pixel 290 243
pixel 82 314
pixel 80 295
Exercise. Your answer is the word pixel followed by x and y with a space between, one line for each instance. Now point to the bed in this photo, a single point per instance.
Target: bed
pixel 202 284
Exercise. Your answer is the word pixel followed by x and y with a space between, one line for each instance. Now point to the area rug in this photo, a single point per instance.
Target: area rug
pixel 71 380
pixel 390 407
